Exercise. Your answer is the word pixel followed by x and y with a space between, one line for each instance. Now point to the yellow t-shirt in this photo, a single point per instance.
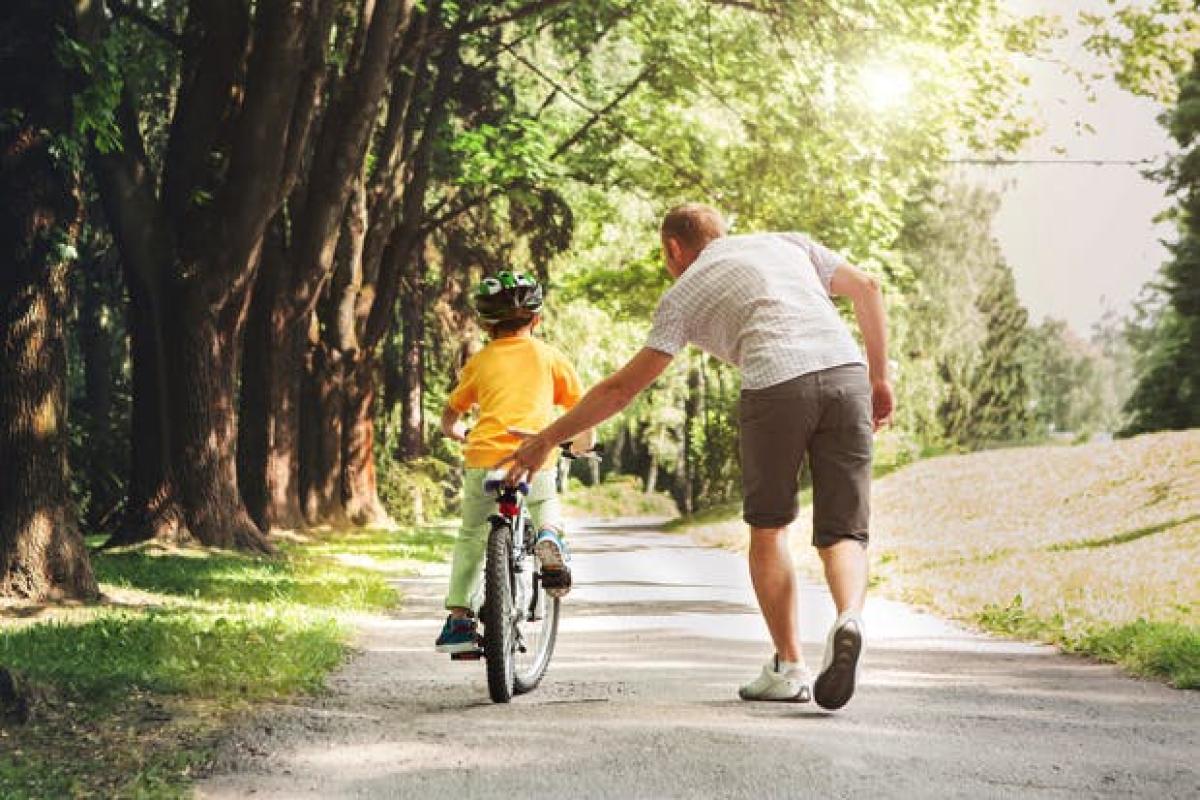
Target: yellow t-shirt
pixel 516 382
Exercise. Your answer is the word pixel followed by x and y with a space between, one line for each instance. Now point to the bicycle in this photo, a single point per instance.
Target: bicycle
pixel 520 620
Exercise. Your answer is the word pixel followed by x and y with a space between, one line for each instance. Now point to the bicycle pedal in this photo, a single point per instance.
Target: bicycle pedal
pixel 469 655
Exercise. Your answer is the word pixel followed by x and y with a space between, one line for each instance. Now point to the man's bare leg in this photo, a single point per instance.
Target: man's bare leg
pixel 846 573
pixel 774 580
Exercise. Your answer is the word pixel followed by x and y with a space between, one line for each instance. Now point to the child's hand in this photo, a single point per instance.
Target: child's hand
pixel 457 432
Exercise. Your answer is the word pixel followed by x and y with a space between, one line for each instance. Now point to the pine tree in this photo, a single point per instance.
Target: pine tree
pixel 1167 395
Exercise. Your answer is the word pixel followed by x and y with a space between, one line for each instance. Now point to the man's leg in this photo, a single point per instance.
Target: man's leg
pixel 840 454
pixel 774 580
pixel 846 573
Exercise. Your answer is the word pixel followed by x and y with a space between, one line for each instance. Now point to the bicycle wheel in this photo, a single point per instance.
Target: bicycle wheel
pixel 537 628
pixel 497 615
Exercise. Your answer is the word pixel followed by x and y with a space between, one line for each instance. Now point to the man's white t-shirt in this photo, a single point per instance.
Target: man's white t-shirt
pixel 761 302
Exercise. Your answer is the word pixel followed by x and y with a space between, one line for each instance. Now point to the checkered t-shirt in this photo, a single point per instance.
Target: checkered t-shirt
pixel 761 302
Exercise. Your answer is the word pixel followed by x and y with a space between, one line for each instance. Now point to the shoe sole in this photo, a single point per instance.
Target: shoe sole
pixel 803 696
pixel 835 685
pixel 464 647
pixel 553 567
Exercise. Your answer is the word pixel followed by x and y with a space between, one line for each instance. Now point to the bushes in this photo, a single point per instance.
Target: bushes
pixel 417 491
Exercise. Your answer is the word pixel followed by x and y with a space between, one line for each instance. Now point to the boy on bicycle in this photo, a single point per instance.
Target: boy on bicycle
pixel 514 383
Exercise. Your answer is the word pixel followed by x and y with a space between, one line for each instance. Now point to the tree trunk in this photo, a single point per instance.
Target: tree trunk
pixel 204 406
pixel 322 417
pixel 363 506
pixel 98 344
pixel 152 507
pixel 412 367
pixel 651 475
pixel 269 433
pixel 42 554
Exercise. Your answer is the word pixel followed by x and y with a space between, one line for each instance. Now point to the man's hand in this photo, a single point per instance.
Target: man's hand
pixel 883 402
pixel 529 457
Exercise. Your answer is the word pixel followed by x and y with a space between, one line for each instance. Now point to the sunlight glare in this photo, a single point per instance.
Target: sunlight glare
pixel 886 85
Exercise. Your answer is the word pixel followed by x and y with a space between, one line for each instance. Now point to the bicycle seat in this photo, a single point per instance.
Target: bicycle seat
pixel 495 478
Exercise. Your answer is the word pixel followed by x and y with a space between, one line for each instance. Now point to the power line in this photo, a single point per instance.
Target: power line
pixel 1078 162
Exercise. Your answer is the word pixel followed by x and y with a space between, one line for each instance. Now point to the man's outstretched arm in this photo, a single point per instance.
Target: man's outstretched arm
pixel 864 292
pixel 603 401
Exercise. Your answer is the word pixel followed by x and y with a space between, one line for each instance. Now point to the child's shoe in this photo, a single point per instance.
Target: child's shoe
pixel 458 636
pixel 552 553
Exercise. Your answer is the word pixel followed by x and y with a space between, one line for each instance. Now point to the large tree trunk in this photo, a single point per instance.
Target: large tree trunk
pixel 204 406
pixel 42 554
pixel 358 454
pixel 269 434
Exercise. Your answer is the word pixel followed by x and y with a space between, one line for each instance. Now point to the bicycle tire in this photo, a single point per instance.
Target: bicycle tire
pixel 497 615
pixel 527 682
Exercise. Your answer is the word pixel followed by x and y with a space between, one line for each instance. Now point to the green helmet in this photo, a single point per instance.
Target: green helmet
pixel 508 296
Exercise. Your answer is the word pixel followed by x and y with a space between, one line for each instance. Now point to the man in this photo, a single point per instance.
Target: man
pixel 763 303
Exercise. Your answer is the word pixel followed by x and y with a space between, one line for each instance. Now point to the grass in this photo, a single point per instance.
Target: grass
pixel 127 696
pixel 1122 538
pixel 1168 650
pixel 1100 542
pixel 619 496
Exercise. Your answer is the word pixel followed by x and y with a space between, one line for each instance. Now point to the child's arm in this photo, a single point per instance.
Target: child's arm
pixel 452 425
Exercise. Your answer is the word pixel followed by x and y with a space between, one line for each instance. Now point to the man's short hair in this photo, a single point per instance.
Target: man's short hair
pixel 693 225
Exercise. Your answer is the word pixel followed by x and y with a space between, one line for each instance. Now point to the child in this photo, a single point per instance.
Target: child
pixel 515 382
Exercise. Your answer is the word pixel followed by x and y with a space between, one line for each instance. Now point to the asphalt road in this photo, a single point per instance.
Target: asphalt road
pixel 640 701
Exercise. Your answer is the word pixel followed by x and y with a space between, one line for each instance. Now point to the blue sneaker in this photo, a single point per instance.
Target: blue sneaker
pixel 552 553
pixel 458 636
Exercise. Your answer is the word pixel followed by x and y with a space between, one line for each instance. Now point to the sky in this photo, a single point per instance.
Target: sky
pixel 1080 239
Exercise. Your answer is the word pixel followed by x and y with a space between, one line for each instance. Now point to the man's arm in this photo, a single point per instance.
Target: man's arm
pixel 866 296
pixel 603 401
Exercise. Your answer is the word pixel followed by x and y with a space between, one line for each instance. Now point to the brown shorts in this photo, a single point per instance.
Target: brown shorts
pixel 827 415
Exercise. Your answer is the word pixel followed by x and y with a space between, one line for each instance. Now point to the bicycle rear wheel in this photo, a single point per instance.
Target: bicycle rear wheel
pixel 499 630
pixel 537 628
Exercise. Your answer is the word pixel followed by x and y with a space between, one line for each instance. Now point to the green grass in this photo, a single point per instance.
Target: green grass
pixel 127 697
pixel 618 496
pixel 1165 650
pixel 1122 538
pixel 251 653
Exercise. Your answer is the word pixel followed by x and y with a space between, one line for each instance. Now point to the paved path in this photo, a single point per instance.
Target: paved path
pixel 640 702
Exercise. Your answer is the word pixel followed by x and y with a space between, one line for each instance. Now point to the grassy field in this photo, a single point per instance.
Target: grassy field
pixel 1095 548
pixel 124 698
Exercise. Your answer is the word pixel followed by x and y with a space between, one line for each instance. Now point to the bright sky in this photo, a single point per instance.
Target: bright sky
pixel 1081 239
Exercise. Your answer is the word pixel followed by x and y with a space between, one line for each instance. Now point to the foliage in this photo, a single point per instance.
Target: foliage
pixel 959 326
pixel 1071 381
pixel 1166 337
pixel 1148 44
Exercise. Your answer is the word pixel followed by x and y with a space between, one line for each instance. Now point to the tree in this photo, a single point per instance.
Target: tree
pixel 1167 367
pixel 42 554
pixel 190 238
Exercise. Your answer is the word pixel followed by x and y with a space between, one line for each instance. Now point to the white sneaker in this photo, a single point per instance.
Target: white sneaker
pixel 839 668
pixel 787 684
